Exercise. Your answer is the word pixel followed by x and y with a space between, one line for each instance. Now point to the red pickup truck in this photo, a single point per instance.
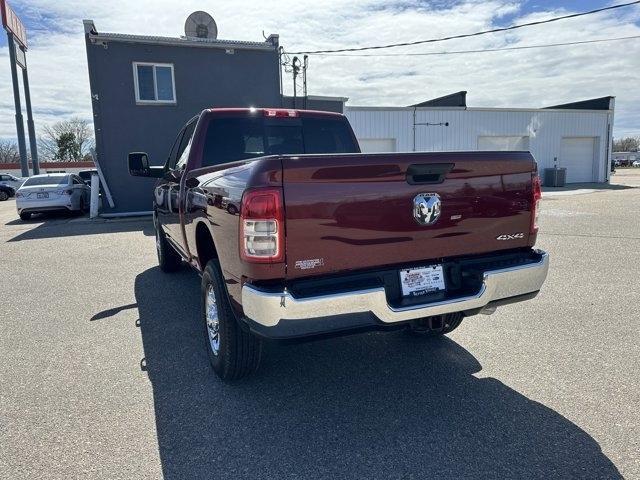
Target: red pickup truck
pixel 297 234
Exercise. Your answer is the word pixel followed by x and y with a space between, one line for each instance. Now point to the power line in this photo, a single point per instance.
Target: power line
pixel 484 32
pixel 454 52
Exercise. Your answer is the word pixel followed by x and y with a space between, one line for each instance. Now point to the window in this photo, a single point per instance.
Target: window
pixel 231 139
pixel 185 144
pixel 154 83
pixel 238 138
pixel 324 135
pixel 47 180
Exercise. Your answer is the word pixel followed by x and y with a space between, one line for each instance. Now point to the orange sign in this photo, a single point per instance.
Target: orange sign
pixel 12 23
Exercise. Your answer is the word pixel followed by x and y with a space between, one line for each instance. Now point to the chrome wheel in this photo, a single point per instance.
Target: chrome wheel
pixel 213 323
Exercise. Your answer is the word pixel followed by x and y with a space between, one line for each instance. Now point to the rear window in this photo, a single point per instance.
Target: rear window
pixel 237 138
pixel 327 135
pixel 35 181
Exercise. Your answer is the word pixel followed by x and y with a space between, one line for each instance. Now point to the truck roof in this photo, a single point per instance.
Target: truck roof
pixel 275 112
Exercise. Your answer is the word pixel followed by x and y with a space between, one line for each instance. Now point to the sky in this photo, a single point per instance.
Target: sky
pixel 524 78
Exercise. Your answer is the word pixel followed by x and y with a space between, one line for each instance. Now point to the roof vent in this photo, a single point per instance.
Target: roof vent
pixel 201 25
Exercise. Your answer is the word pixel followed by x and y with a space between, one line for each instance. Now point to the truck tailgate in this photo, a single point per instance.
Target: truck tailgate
pixel 350 212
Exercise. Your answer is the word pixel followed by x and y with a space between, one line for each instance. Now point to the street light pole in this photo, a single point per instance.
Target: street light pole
pixel 22 148
pixel 33 147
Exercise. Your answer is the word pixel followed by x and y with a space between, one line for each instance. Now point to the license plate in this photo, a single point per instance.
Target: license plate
pixel 43 195
pixel 420 281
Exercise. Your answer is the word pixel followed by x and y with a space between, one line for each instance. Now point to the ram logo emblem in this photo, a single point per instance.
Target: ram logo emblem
pixel 426 208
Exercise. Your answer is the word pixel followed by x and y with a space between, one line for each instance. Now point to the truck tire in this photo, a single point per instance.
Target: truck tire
pixel 435 326
pixel 168 259
pixel 25 216
pixel 233 352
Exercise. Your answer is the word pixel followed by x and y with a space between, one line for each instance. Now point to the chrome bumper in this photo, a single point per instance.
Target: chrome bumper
pixel 268 308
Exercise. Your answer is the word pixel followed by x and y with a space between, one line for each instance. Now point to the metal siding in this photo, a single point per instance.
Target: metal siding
pixel 545 129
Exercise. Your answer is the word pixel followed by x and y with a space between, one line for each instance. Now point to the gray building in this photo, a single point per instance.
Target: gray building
pixel 144 88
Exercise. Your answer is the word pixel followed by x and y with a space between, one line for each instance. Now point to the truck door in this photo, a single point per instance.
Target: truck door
pixel 172 186
pixel 160 191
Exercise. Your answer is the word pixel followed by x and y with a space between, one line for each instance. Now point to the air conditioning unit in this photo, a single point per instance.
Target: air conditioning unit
pixel 555 177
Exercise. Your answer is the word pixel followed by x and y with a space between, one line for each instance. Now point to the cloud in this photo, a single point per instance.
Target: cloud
pixel 526 78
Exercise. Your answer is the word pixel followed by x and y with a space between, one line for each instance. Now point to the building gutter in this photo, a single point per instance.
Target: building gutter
pixel 104 38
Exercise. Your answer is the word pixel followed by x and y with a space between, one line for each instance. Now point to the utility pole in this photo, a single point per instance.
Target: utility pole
pixel 305 64
pixel 296 71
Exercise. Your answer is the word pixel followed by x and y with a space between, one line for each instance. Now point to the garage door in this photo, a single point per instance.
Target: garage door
pixel 576 155
pixel 503 143
pixel 375 145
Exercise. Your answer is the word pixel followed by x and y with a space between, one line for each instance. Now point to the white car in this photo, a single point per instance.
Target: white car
pixel 10 180
pixel 52 192
pixel 636 163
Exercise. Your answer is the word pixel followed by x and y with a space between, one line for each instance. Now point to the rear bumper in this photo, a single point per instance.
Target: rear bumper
pixel 282 315
pixel 53 204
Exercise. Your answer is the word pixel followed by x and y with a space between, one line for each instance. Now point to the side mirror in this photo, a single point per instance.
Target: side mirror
pixel 139 166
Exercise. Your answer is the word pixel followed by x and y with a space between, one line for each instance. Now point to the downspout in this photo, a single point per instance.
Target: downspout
pixel 414 128
pixel 280 50
pixel 607 156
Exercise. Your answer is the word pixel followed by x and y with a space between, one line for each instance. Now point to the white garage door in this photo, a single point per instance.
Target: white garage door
pixel 377 145
pixel 576 155
pixel 503 143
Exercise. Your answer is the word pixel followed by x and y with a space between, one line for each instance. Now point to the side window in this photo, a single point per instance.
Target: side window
pixel 182 153
pixel 172 159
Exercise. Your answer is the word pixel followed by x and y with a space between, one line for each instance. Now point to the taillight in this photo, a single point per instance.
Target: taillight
pixel 535 203
pixel 262 226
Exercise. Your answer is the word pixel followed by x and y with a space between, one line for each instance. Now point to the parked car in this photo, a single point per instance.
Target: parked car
pixel 6 192
pixel 636 163
pixel 52 192
pixel 329 240
pixel 11 180
pixel 85 175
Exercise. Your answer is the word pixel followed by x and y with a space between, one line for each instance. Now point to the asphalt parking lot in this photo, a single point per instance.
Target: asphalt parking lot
pixel 103 372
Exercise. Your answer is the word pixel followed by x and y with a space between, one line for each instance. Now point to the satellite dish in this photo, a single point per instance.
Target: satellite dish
pixel 201 25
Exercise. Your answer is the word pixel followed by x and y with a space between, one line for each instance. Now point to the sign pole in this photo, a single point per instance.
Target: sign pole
pixel 24 164
pixel 33 147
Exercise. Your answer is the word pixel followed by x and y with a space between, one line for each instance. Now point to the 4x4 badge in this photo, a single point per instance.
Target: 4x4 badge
pixel 510 236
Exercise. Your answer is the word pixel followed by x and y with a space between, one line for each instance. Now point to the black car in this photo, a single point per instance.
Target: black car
pixel 6 192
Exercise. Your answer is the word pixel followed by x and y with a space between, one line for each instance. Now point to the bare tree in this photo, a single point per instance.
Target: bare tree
pixel 9 152
pixel 627 144
pixel 66 140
